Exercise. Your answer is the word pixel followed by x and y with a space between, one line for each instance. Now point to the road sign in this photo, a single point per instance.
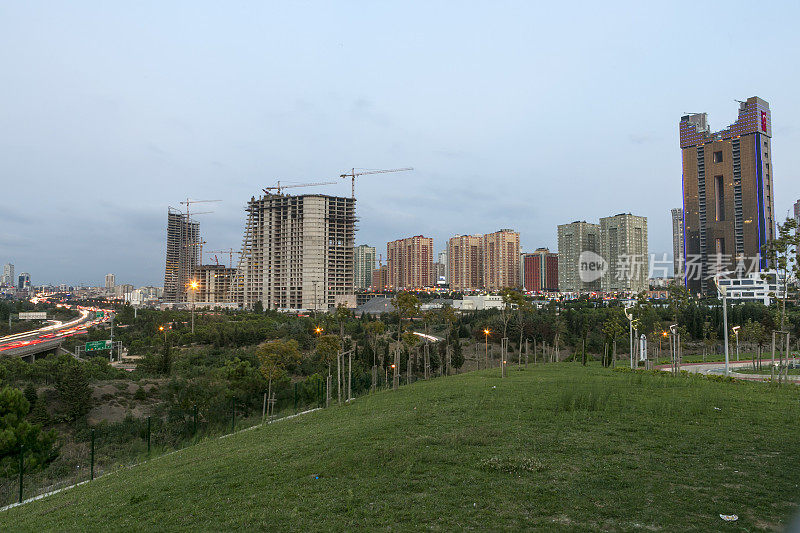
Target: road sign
pixel 98 314
pixel 98 345
pixel 33 315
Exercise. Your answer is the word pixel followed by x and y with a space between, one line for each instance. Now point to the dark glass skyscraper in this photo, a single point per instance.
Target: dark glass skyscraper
pixel 727 194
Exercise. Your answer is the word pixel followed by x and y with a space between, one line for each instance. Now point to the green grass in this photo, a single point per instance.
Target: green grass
pixel 558 447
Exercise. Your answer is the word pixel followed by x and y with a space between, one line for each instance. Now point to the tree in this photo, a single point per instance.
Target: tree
pixel 274 357
pixel 406 306
pixel 19 435
pixel 374 331
pixel 512 297
pixel 782 253
pixel 612 329
pixel 457 359
pixel 166 359
pixel 755 333
pixel 73 389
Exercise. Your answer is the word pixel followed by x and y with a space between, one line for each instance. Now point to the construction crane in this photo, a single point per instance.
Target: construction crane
pixel 229 251
pixel 363 172
pixel 280 187
pixel 189 202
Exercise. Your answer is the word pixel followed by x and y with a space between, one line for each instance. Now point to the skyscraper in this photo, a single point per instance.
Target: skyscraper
pixel 623 244
pixel 501 260
pixel 363 265
pixel 465 262
pixel 445 265
pixel 410 263
pixel 8 275
pixel 297 252
pixel 728 199
pixel 110 282
pixel 796 217
pixel 24 282
pixel 183 255
pixel 574 239
pixel 677 242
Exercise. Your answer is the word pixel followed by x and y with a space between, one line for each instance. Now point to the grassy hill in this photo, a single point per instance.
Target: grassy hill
pixel 557 446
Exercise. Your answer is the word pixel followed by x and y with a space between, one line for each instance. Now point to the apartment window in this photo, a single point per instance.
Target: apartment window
pixel 718 157
pixel 766 155
pixel 719 194
pixel 720 247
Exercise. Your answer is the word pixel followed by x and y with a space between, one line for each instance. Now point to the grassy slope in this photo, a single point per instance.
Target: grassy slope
pixel 559 446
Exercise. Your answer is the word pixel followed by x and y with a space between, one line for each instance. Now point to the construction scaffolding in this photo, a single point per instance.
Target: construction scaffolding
pixel 297 252
pixel 183 255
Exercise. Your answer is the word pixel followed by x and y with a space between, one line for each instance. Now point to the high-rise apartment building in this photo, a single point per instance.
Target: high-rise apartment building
pixel 8 275
pixel 380 278
pixel 677 242
pixel 540 270
pixel 465 262
pixel 297 252
pixel 410 263
pixel 445 265
pixel 796 217
pixel 363 265
pixel 24 281
pixel 574 239
pixel 183 255
pixel 501 260
pixel 623 244
pixel 110 282
pixel 728 198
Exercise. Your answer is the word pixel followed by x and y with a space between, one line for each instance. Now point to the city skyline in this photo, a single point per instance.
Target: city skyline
pixel 154 121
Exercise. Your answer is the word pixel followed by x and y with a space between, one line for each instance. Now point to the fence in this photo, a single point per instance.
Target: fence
pixel 94 451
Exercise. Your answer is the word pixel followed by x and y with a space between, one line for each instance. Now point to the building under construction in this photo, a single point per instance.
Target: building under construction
pixel 183 255
pixel 297 252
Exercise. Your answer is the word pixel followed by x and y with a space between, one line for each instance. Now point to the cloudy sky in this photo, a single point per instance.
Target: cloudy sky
pixel 513 114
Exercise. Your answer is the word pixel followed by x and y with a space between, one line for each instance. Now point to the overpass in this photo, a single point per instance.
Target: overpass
pixel 49 338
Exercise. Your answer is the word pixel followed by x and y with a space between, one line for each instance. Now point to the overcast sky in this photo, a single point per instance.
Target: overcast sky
pixel 514 116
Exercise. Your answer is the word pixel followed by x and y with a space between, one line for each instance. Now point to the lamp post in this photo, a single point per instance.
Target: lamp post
pixel 486 345
pixel 193 285
pixel 629 316
pixel 736 332
pixel 673 347
pixel 723 291
pixel 161 328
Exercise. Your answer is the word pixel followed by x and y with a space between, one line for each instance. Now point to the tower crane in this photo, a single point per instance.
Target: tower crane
pixel 280 187
pixel 363 172
pixel 229 251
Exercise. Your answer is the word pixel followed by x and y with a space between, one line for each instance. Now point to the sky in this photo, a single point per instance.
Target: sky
pixel 513 115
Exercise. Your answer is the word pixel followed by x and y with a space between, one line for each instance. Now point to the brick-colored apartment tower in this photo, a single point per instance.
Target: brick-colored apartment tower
pixel 465 262
pixel 540 270
pixel 728 202
pixel 410 263
pixel 501 260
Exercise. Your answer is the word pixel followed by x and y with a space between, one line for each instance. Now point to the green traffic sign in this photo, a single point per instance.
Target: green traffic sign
pixel 98 345
pixel 98 314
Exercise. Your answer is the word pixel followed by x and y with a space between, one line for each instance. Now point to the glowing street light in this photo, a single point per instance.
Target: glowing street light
pixel 486 333
pixel 193 285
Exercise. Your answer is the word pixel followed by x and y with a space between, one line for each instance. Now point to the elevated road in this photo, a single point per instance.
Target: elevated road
pixel 50 337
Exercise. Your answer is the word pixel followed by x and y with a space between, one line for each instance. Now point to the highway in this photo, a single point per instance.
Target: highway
pixel 51 336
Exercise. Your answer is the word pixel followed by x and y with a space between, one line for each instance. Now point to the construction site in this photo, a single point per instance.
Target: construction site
pixel 297 253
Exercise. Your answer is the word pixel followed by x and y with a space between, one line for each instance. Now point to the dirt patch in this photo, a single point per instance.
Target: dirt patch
pixel 99 391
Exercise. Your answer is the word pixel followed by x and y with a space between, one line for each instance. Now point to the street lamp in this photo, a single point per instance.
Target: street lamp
pixel 193 285
pixel 629 316
pixel 736 332
pixel 318 330
pixel 723 291
pixel 486 345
